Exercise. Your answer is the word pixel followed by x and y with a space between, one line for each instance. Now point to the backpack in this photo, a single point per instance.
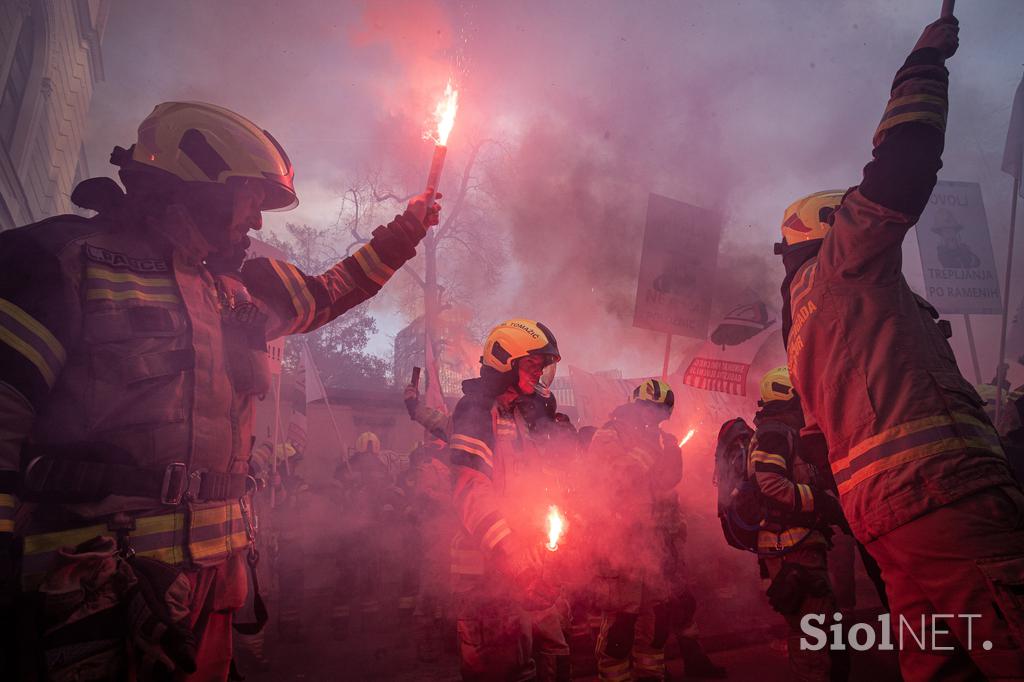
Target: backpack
pixel 740 505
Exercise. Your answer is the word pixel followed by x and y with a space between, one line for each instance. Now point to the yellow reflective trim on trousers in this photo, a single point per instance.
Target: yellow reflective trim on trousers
pixel 35 327
pixel 224 544
pixel 8 500
pixel 147 525
pixel 30 354
pixel 767 541
pixel 109 276
pixel 6 525
pixel 904 429
pixel 108 295
pixel 168 555
pixel 899 458
pixel 49 542
pixel 214 515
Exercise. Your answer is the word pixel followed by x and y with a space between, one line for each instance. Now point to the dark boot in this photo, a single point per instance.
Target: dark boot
pixel 696 663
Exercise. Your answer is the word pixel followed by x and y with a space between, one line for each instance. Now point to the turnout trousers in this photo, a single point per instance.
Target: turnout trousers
pixel 957 574
pixel 808 665
pixel 634 630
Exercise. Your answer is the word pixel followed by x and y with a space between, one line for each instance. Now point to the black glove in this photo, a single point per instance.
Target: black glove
pixel 164 645
pixel 828 508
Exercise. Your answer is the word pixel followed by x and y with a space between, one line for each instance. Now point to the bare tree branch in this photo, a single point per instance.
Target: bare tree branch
pixel 460 197
pixel 411 271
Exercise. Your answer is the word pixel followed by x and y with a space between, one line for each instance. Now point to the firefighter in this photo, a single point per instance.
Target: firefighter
pixel 920 472
pixel 132 347
pixel 436 422
pixel 682 602
pixel 641 464
pixel 1008 419
pixel 793 542
pixel 504 609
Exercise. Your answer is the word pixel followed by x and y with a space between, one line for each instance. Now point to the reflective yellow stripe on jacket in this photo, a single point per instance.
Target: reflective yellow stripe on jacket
pixel 911 440
pixel 8 505
pixel 213 534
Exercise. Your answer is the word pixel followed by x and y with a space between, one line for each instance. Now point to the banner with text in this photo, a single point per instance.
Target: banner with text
pixel 956 251
pixel 723 362
pixel 677 268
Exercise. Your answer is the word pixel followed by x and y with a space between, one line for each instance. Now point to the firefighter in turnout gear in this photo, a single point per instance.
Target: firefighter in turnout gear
pixel 920 472
pixel 793 541
pixel 504 609
pixel 641 464
pixel 132 348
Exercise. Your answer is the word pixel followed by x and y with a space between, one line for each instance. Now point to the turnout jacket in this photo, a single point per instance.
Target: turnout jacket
pixel 501 485
pixel 119 347
pixel 788 483
pixel 906 432
pixel 639 466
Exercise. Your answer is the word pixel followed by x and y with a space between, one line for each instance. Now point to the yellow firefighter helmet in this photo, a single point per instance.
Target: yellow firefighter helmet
pixel 776 385
pixel 809 218
pixel 654 391
pixel 515 339
pixel 199 142
pixel 368 442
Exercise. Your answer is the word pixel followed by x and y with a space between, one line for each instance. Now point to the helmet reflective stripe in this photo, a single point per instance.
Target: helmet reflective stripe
pixel 809 218
pixel 368 442
pixel 654 391
pixel 515 339
pixel 776 385
pixel 199 142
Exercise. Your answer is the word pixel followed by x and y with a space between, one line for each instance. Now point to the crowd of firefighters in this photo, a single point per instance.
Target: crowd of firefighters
pixel 401 558
pixel 132 349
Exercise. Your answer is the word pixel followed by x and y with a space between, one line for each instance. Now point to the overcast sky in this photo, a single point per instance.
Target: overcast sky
pixel 739 106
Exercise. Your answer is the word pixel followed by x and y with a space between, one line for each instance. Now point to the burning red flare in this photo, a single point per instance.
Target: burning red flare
pixel 556 524
pixel 444 116
pixel 687 437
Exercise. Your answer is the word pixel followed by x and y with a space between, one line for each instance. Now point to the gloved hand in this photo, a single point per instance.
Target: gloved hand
pixel 517 561
pixel 411 396
pixel 427 215
pixel 942 35
pixel 165 645
pixel 829 509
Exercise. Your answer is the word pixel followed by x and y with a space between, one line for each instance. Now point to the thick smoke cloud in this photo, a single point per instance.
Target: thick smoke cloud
pixel 736 106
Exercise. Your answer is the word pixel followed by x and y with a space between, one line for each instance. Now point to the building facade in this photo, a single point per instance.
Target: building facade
pixel 50 61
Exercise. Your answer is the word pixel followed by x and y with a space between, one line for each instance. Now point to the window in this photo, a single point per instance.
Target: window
pixel 17 82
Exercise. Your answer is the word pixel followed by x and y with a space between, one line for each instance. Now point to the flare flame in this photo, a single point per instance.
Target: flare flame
pixel 555 526
pixel 444 116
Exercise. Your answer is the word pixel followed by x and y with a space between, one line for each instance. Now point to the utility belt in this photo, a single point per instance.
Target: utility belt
pixel 52 478
pixel 777 520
